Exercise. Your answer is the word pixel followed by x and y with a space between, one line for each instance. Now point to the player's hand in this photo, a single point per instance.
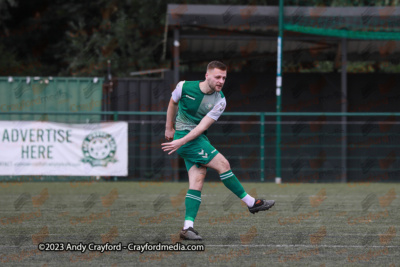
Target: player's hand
pixel 169 134
pixel 172 146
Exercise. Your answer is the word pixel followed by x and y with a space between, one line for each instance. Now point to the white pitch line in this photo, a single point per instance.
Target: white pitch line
pixel 308 246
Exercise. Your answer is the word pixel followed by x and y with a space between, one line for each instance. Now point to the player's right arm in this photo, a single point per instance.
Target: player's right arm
pixel 171 115
pixel 204 124
pixel 172 110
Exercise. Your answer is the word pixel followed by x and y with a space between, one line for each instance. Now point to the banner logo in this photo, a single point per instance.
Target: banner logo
pixel 99 149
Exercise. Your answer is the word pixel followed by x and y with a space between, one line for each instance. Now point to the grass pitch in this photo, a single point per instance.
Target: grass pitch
pixel 310 224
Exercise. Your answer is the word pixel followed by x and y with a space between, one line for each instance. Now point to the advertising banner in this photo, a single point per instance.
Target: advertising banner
pixel 48 148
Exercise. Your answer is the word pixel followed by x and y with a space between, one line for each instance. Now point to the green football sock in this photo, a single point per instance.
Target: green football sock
pixel 192 204
pixel 233 184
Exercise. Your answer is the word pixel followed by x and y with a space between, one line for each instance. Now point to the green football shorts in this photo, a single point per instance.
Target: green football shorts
pixel 198 151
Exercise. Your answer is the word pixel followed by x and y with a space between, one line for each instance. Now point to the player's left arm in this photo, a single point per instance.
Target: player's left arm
pixel 204 124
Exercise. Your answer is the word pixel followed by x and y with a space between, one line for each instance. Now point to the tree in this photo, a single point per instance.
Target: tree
pixel 128 33
pixel 77 38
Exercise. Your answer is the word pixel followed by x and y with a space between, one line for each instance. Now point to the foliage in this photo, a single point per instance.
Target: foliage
pixel 77 38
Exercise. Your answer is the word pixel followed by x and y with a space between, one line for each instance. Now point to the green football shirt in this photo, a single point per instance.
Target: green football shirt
pixel 194 105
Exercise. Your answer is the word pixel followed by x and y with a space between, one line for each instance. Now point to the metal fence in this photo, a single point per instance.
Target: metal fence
pixel 318 147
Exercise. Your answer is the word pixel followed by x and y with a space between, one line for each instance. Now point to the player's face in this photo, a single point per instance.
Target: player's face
pixel 216 79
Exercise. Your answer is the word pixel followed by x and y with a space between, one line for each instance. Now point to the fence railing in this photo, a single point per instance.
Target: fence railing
pixel 314 146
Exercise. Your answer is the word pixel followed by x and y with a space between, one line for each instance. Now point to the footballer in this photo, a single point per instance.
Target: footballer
pixel 193 108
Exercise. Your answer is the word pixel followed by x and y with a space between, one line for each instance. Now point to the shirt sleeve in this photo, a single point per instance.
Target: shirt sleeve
pixel 177 93
pixel 217 110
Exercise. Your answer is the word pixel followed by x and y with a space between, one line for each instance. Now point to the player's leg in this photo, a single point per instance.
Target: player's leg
pixel 222 166
pixel 193 201
pixel 193 196
pixel 196 177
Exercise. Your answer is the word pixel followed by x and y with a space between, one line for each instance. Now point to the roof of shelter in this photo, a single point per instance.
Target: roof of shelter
pixel 209 31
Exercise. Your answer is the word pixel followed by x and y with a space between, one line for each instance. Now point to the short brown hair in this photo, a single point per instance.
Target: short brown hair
pixel 216 65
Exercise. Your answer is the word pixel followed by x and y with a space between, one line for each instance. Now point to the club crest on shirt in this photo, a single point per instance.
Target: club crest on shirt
pixel 209 106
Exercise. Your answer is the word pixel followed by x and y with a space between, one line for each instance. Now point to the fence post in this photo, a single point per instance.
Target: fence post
pixel 344 105
pixel 116 119
pixel 278 93
pixel 262 146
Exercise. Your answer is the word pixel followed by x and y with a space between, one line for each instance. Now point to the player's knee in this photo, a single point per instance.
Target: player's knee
pixel 225 166
pixel 200 179
pixel 198 182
